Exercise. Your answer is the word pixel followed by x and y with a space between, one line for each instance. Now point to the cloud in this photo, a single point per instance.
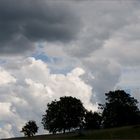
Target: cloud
pixel 9 121
pixel 108 43
pixel 94 57
pixel 100 21
pixel 26 22
pixel 5 77
pixel 130 78
pixel 6 131
pixel 123 46
pixel 26 97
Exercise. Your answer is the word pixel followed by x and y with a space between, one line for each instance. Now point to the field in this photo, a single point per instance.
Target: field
pixel 130 132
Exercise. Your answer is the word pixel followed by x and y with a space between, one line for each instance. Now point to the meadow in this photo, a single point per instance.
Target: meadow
pixel 128 132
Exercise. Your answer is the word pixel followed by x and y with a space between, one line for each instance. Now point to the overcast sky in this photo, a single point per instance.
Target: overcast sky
pixel 49 49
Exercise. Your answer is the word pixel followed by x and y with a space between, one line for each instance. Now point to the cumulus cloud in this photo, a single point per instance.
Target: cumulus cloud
pixel 27 97
pixel 6 131
pixel 5 77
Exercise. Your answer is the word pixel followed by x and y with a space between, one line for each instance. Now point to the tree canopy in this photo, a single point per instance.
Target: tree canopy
pixel 92 120
pixel 120 109
pixel 68 113
pixel 30 128
pixel 65 114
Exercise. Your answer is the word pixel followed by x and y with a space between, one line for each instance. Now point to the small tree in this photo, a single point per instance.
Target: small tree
pixel 30 128
pixel 92 120
pixel 120 109
pixel 65 114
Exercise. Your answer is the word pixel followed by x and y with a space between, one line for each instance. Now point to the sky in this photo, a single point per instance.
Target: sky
pixel 79 48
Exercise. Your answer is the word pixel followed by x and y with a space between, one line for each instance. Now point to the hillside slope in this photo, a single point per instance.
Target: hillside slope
pixel 130 132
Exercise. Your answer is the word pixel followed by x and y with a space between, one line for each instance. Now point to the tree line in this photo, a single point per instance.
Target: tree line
pixel 68 114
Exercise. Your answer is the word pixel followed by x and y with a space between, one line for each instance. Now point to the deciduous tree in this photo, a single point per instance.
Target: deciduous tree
pixel 63 115
pixel 30 128
pixel 120 109
pixel 92 120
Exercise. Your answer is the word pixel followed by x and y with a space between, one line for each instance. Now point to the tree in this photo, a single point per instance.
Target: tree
pixel 92 120
pixel 65 114
pixel 30 128
pixel 120 109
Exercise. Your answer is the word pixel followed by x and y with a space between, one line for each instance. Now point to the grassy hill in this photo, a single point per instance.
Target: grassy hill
pixel 130 132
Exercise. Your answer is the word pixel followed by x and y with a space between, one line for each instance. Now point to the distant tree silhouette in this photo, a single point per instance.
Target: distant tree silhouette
pixel 120 109
pixel 65 114
pixel 30 128
pixel 92 120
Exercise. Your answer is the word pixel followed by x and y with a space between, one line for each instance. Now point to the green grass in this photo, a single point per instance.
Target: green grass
pixel 129 132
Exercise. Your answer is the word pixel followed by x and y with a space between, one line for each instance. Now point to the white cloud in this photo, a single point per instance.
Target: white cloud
pixel 5 77
pixel 35 86
pixel 6 131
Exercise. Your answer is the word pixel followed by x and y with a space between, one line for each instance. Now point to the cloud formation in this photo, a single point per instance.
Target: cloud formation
pixel 26 97
pixel 108 43
pixel 26 22
pixel 90 47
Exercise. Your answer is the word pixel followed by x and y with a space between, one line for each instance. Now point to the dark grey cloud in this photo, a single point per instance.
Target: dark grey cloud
pixel 34 20
pixel 18 45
